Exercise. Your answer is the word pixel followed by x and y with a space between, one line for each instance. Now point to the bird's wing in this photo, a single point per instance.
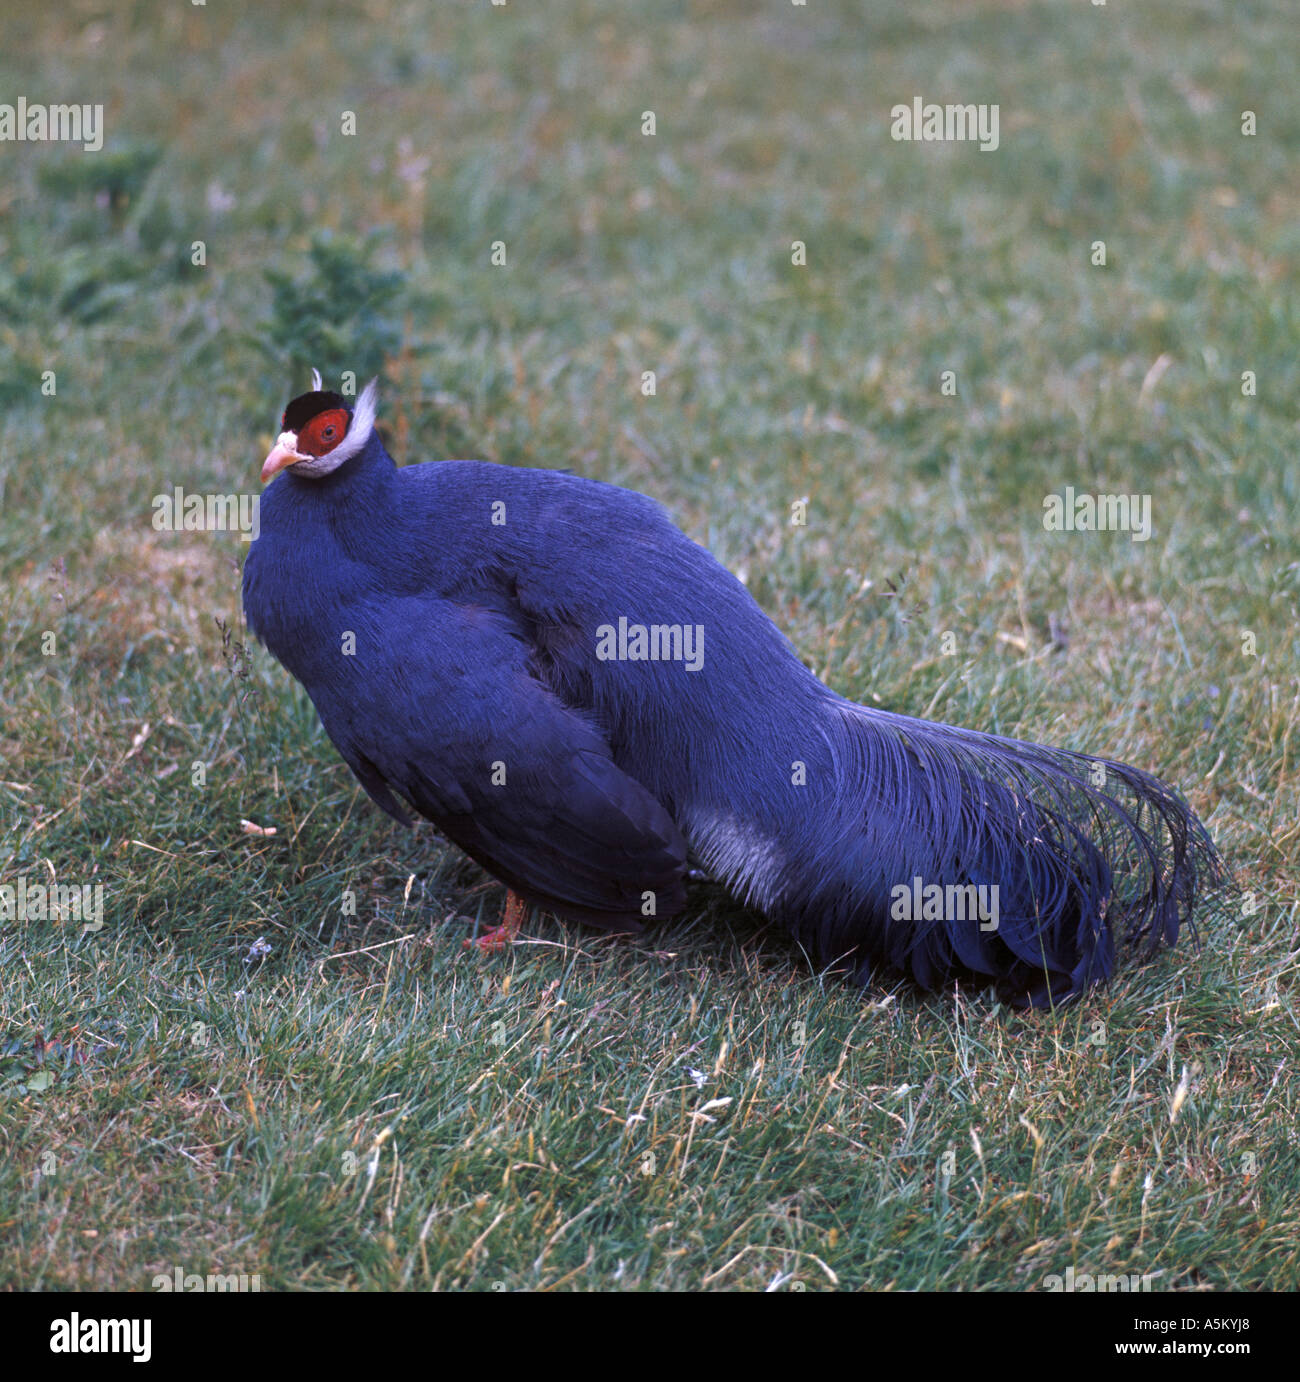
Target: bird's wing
pixel 587 841
pixel 372 780
pixel 523 783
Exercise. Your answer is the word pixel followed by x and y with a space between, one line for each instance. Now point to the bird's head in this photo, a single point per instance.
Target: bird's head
pixel 319 431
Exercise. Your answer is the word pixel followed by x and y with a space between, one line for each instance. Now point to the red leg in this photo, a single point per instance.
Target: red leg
pixel 503 936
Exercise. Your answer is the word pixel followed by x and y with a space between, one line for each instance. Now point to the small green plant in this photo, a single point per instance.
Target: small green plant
pixel 115 177
pixel 338 316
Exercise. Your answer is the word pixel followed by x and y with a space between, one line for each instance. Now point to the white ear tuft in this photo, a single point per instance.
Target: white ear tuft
pixel 316 384
pixel 363 415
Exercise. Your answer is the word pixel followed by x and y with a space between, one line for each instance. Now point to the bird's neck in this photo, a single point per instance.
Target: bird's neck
pixel 351 500
pixel 369 472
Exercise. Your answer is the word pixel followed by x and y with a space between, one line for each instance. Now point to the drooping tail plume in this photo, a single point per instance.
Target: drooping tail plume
pixel 958 853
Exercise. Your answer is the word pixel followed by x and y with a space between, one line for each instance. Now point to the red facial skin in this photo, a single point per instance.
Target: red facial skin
pixel 323 433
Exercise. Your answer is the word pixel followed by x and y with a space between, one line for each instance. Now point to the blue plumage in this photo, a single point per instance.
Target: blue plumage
pixel 468 633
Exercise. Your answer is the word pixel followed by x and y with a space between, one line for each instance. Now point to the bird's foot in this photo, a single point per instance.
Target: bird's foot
pixel 503 936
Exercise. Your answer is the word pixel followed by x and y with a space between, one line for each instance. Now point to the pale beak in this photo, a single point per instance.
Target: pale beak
pixel 285 452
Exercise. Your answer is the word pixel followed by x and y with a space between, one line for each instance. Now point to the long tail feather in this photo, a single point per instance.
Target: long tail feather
pixel 1073 859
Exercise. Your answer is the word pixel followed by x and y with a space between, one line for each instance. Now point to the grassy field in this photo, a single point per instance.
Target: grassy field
pixel 369 1106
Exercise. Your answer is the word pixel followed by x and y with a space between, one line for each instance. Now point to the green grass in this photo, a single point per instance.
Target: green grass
pixel 370 1106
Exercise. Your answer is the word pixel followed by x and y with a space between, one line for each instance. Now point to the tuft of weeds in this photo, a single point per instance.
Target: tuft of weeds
pixel 338 315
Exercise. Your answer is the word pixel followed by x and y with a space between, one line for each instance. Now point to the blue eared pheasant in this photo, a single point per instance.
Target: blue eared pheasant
pixel 585 702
